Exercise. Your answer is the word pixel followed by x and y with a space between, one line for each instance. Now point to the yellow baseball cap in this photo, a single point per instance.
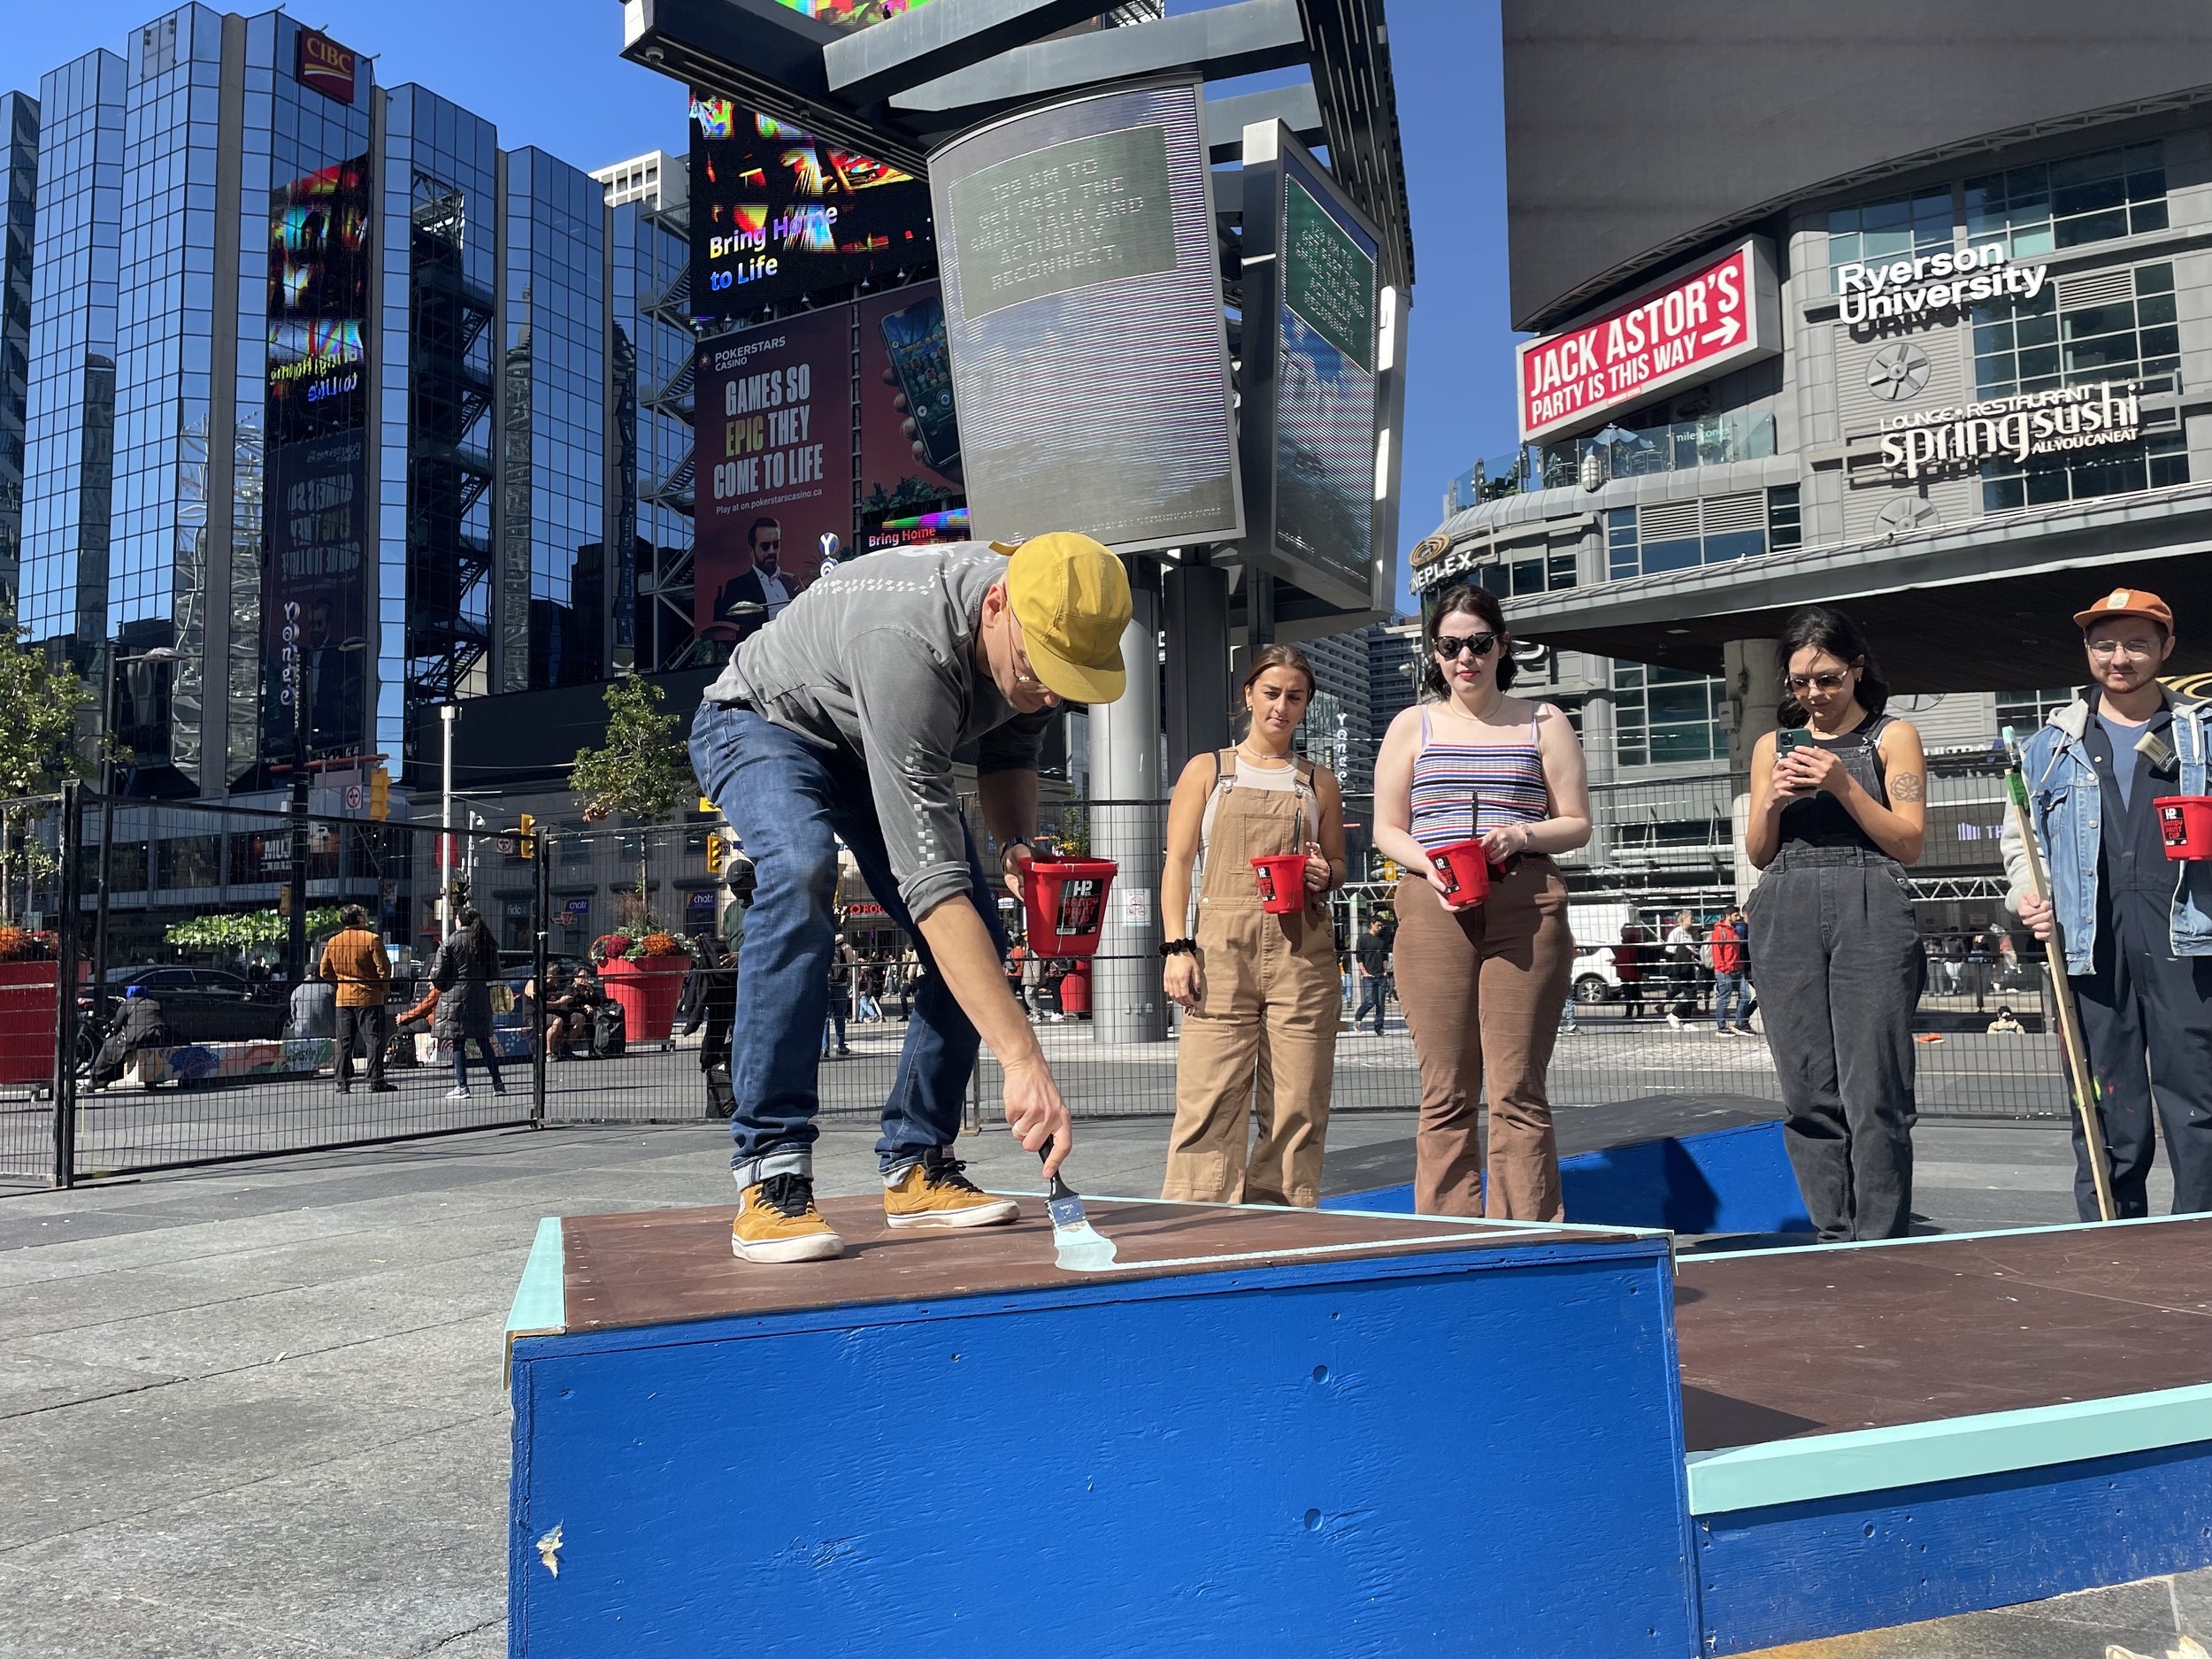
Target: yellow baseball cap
pixel 1071 598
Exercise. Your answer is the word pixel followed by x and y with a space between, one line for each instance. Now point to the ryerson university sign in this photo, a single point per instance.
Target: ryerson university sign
pixel 1933 282
pixel 2029 424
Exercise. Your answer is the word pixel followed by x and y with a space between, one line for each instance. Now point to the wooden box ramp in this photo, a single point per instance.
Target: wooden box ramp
pixel 1267 1432
pixel 1881 1433
pixel 1291 1433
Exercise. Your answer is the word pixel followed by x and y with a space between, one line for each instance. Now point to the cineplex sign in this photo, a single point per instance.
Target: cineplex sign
pixel 1688 329
pixel 2029 424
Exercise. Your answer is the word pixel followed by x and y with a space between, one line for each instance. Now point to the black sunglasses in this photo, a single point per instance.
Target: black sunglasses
pixel 1450 646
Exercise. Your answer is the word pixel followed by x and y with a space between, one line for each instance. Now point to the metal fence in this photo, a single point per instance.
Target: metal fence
pixel 100 892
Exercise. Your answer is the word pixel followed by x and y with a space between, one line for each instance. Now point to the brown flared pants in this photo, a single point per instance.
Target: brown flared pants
pixel 1482 989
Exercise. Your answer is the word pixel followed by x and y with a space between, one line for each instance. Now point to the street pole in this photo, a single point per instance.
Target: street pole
pixel 446 715
pixel 107 722
pixel 1126 1002
pixel 295 948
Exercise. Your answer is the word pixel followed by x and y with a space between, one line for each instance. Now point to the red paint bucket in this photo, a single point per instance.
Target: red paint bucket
pixel 1065 902
pixel 2185 825
pixel 1466 872
pixel 1281 880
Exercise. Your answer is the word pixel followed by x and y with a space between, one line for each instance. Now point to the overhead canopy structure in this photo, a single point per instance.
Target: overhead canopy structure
pixel 894 90
pixel 1955 609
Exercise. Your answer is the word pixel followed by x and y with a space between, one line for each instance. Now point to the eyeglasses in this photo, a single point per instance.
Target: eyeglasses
pixel 2115 648
pixel 1452 647
pixel 1828 682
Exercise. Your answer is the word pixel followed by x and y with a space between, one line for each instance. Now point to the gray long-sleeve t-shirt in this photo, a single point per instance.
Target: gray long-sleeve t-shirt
pixel 877 660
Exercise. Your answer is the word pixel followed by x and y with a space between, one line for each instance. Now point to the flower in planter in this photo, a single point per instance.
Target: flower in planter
pixel 611 947
pixel 658 945
pixel 15 944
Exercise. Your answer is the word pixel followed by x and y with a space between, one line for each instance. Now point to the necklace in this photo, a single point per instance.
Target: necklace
pixel 1250 753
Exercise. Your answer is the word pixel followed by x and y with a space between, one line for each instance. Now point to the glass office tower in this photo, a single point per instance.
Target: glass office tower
pixel 19 196
pixel 552 587
pixel 69 404
pixel 340 408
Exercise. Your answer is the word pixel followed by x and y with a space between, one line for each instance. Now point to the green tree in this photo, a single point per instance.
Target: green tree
pixel 41 699
pixel 640 771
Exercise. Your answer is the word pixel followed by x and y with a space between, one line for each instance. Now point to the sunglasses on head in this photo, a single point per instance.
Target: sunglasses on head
pixel 1451 647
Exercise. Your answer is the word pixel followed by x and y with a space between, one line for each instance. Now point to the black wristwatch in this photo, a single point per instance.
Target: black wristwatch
pixel 1178 948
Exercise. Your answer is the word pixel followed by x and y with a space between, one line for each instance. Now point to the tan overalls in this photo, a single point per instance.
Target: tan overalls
pixel 1266 1020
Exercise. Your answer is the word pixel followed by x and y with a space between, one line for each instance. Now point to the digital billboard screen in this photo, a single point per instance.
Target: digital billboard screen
pixel 315 505
pixel 1311 269
pixel 910 428
pixel 1082 291
pixel 774 433
pixel 776 212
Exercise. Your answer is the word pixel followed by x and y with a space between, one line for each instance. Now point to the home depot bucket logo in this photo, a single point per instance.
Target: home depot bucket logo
pixel 324 65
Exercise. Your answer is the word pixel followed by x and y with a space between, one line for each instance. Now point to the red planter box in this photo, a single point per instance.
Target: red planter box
pixel 30 1011
pixel 649 990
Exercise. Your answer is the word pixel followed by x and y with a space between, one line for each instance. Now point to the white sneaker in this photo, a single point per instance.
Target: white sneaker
pixel 1674 1021
pixel 459 1091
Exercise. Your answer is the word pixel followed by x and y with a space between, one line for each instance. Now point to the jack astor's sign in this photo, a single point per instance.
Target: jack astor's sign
pixel 2029 424
pixel 1931 283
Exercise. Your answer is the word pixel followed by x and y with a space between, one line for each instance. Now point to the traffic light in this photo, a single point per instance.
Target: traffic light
pixel 714 852
pixel 380 794
pixel 525 833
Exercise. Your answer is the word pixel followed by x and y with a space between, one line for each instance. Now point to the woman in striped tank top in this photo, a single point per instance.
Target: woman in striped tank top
pixel 1482 985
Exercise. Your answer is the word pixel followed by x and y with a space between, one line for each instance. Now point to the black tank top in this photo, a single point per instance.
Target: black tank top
pixel 1823 820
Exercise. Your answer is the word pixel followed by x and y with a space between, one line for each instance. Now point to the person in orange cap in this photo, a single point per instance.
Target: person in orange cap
pixel 2137 926
pixel 838 722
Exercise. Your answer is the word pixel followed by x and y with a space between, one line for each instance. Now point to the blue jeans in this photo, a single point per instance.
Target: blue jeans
pixel 789 801
pixel 836 1010
pixel 1728 988
pixel 1376 992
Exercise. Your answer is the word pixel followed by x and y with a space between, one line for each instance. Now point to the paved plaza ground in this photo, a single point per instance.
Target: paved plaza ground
pixel 256 1410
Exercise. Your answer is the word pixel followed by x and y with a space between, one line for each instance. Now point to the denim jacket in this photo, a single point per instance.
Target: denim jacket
pixel 2066 800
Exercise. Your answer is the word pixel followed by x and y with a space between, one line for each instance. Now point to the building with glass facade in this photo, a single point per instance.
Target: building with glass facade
pixel 19 196
pixel 1964 407
pixel 328 401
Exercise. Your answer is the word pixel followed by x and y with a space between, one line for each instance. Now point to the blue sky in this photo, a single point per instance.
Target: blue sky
pixel 547 73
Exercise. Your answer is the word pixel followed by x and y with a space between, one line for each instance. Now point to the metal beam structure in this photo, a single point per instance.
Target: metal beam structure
pixel 895 89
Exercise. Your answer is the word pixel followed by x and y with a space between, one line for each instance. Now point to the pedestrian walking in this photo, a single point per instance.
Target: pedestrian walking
pixel 1681 966
pixel 1481 985
pixel 838 720
pixel 354 962
pixel 1837 811
pixel 462 974
pixel 1373 956
pixel 1259 986
pixel 2136 925
pixel 1628 967
pixel 1729 978
pixel 841 991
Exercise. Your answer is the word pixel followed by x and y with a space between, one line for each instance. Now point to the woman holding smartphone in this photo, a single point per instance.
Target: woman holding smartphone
pixel 1259 988
pixel 1481 984
pixel 1837 808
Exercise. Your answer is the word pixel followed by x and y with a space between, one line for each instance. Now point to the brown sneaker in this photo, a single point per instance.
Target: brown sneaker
pixel 777 1222
pixel 935 1193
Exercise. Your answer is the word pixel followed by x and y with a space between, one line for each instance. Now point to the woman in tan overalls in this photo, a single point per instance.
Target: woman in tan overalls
pixel 1261 991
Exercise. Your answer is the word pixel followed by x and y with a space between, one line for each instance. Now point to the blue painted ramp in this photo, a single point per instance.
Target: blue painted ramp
pixel 1724 1181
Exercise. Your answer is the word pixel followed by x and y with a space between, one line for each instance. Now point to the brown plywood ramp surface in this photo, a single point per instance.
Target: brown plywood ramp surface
pixel 1793 1342
pixel 661 1266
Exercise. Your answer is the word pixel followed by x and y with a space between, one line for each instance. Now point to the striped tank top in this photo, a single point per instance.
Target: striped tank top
pixel 1463 790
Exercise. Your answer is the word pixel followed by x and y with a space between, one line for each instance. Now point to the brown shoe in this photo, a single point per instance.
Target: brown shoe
pixel 777 1222
pixel 935 1193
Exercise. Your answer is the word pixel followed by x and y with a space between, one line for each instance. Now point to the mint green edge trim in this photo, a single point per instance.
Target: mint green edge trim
pixel 1944 1238
pixel 541 1306
pixel 1913 1454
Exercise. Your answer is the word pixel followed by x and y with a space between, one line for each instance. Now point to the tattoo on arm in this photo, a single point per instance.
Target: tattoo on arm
pixel 1907 785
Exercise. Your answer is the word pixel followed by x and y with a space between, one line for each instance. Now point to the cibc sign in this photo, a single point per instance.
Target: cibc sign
pixel 324 65
pixel 1686 329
